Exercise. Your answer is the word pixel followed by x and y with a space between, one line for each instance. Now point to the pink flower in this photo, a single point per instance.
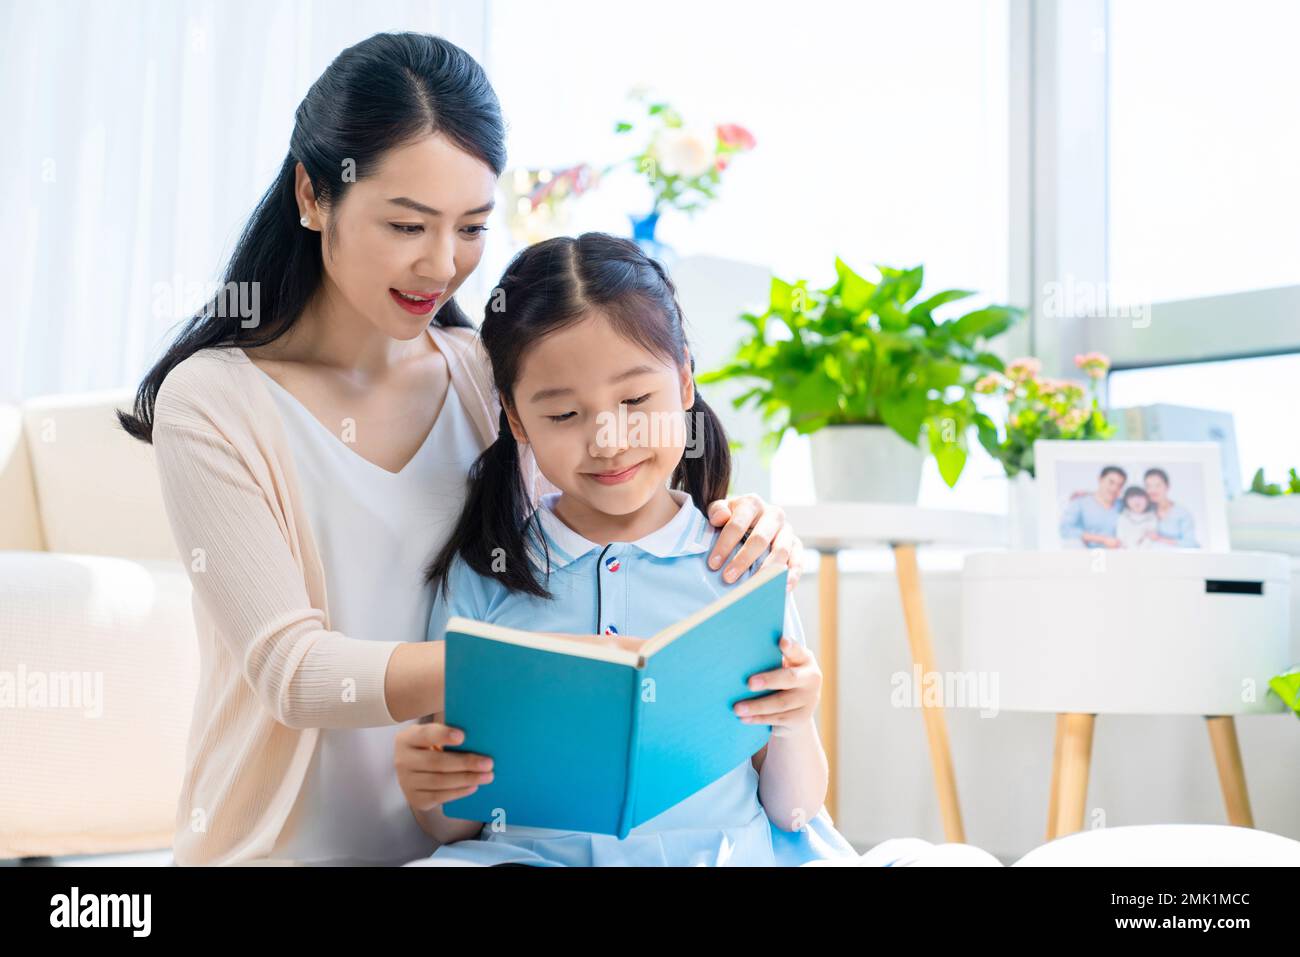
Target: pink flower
pixel 735 135
pixel 1094 364
pixel 1074 419
pixel 1018 370
pixel 720 163
pixel 988 384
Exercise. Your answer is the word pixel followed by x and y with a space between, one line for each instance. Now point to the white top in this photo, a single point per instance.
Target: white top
pixel 376 531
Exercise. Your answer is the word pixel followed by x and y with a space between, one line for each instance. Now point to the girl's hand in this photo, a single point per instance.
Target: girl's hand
pixel 429 776
pixel 766 526
pixel 793 704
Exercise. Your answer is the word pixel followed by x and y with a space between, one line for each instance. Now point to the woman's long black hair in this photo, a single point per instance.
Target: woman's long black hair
pixel 382 93
pixel 547 287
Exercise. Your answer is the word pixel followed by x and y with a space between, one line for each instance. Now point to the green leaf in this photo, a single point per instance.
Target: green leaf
pixel 854 290
pixel 780 296
pixel 951 459
pixel 910 283
pixel 920 314
pixel 891 317
pixel 984 323
pixel 622 126
pixel 904 414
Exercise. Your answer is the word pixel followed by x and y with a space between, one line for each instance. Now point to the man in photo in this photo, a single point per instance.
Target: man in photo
pixel 1091 519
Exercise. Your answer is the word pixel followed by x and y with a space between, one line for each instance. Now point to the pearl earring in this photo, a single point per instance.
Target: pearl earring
pixel 305 221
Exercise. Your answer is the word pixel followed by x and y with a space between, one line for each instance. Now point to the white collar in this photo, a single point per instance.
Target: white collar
pixel 687 533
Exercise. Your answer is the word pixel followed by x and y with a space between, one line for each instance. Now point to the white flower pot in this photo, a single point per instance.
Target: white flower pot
pixel 865 463
pixel 1022 512
pixel 1265 523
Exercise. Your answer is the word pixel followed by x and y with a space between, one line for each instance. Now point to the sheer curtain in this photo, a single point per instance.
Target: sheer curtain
pixel 139 135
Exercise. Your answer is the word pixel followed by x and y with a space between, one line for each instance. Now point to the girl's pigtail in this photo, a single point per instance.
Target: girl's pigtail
pixel 492 532
pixel 705 469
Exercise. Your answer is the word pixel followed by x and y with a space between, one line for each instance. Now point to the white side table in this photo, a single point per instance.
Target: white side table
pixel 834 526
pixel 1092 631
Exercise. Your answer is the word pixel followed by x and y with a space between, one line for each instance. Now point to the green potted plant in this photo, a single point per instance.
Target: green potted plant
pixel 1266 518
pixel 865 369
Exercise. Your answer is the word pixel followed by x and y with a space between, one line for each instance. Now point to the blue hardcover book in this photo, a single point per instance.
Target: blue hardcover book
pixel 591 734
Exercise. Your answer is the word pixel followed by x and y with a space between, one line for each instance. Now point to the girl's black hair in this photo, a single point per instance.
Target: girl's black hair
pixel 384 92
pixel 1134 490
pixel 547 287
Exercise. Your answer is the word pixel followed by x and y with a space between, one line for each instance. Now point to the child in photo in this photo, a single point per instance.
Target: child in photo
pixel 1136 525
pixel 591 362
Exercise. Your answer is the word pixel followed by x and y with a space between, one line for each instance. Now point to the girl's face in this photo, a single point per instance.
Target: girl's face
pixel 606 418
pixel 1136 503
pixel 415 225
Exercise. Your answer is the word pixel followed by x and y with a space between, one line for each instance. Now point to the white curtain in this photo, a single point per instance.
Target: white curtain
pixel 138 137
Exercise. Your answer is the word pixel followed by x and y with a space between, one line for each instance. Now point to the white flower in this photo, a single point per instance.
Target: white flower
pixel 682 152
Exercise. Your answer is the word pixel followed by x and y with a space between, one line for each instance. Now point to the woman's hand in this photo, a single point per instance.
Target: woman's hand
pixel 797 688
pixel 430 777
pixel 766 526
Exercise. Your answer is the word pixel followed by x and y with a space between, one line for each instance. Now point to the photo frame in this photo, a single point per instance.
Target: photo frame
pixel 1148 496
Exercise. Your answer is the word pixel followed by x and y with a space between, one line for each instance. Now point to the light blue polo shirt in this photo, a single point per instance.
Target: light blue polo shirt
pixel 631 588
pixel 1086 514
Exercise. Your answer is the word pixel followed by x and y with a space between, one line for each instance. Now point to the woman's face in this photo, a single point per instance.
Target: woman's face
pixel 567 400
pixel 414 225
pixel 1156 488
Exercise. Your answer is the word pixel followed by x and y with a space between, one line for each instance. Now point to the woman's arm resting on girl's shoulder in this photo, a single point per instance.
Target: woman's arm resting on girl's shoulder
pixel 766 526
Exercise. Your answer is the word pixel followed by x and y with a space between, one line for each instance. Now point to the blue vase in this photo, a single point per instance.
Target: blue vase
pixel 643 234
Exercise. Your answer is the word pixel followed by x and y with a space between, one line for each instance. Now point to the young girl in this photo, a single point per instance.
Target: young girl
pixel 1136 525
pixel 590 359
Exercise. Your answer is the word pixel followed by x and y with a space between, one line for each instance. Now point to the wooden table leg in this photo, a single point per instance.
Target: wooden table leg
pixel 828 617
pixel 936 729
pixel 1070 772
pixel 1232 773
pixel 1053 793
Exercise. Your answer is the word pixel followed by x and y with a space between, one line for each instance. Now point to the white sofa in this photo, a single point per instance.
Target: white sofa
pixel 94 607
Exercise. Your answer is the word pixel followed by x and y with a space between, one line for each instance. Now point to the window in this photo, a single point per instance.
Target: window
pixel 881 129
pixel 1203 147
pixel 1254 391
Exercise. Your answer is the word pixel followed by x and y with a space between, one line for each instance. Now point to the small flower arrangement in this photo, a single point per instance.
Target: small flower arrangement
pixel 538 199
pixel 1039 407
pixel 683 164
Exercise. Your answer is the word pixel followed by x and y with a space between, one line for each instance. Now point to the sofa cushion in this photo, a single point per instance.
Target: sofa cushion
pixel 97 488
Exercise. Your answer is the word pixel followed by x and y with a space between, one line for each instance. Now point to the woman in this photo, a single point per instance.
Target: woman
pixel 1175 525
pixel 312 460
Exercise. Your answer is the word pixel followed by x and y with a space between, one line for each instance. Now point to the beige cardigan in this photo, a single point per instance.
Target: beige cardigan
pixel 271 670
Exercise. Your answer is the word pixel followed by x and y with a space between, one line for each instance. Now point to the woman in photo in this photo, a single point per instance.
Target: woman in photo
pixel 1175 525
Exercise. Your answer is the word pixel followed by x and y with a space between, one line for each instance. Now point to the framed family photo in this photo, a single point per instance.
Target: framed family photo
pixel 1145 496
